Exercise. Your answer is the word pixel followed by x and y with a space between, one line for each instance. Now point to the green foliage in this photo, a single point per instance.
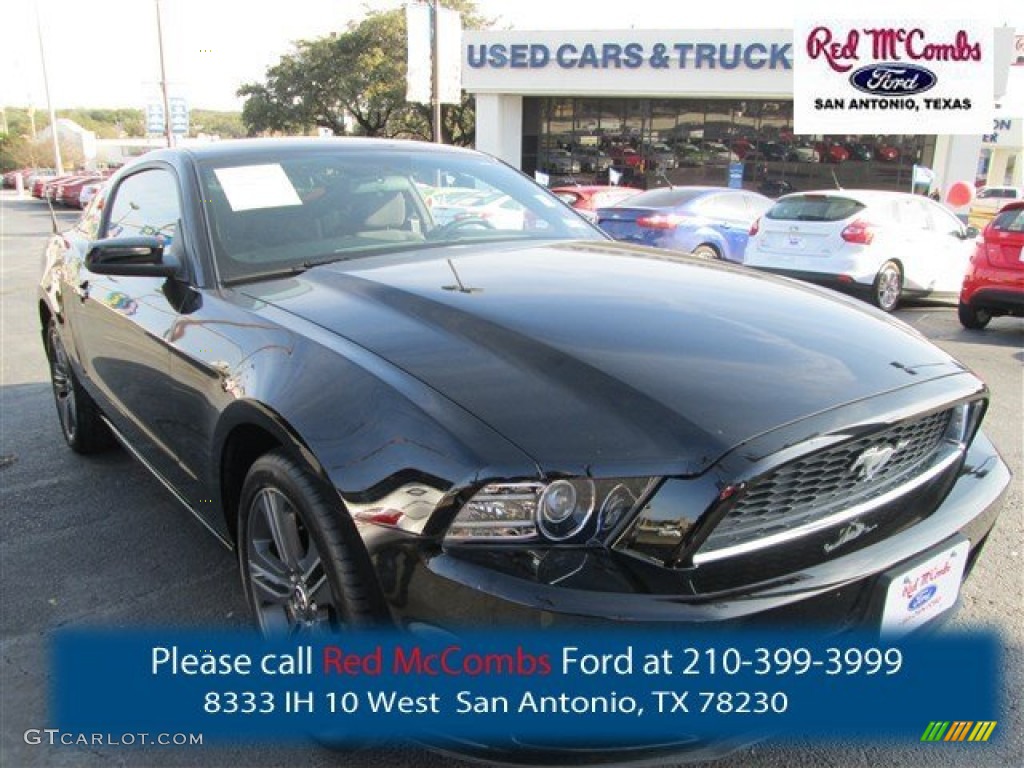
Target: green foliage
pixel 359 74
pixel 19 150
pixel 226 125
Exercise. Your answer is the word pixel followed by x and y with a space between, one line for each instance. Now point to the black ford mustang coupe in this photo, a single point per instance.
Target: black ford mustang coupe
pixel 408 385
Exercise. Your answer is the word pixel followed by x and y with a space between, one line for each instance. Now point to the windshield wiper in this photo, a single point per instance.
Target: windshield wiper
pixel 295 269
pixel 334 257
pixel 270 274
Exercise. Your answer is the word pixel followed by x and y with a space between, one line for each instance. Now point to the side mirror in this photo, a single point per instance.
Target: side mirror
pixel 971 232
pixel 129 257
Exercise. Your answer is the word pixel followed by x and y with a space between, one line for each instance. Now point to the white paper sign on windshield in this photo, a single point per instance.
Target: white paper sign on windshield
pixel 248 187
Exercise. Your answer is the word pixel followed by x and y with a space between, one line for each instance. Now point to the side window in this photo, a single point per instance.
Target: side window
pixel 145 203
pixel 944 222
pixel 725 207
pixel 89 224
pixel 913 215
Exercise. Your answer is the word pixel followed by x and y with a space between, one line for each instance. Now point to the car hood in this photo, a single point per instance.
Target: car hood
pixel 596 356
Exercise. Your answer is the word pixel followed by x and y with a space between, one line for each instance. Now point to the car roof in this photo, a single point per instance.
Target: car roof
pixel 241 147
pixel 865 196
pixel 589 188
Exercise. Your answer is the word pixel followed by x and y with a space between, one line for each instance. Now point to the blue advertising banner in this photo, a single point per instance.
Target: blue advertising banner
pixel 735 175
pixel 514 686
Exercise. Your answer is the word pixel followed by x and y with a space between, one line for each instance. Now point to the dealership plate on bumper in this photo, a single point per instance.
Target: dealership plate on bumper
pixel 918 593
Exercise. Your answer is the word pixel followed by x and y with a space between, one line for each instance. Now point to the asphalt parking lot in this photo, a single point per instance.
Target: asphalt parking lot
pixel 97 541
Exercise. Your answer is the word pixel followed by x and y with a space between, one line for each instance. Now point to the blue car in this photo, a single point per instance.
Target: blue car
pixel 709 222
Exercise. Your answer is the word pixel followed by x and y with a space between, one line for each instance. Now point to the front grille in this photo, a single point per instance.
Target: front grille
pixel 820 485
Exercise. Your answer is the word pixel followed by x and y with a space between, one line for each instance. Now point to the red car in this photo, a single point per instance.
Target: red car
pixel 887 153
pixel 832 153
pixel 994 283
pixel 628 157
pixel 588 199
pixel 69 191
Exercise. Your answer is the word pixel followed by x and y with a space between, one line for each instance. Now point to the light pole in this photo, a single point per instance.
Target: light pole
pixel 58 166
pixel 435 71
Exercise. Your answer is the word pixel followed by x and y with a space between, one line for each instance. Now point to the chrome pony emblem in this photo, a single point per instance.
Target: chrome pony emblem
pixel 870 462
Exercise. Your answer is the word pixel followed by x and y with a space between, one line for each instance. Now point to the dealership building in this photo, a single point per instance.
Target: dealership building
pixel 694 107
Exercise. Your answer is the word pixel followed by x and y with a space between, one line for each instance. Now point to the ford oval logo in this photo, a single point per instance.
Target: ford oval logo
pixel 888 79
pixel 922 597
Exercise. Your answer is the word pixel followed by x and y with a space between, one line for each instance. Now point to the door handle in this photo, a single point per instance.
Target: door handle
pixel 83 290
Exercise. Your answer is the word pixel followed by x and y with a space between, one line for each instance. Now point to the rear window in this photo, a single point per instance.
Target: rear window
pixel 1000 192
pixel 814 208
pixel 1010 221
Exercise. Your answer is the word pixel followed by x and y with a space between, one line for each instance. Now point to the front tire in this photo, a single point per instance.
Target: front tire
pixel 80 422
pixel 888 287
pixel 300 572
pixel 973 318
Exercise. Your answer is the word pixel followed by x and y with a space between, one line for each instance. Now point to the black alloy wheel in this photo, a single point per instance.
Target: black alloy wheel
pixel 80 421
pixel 298 570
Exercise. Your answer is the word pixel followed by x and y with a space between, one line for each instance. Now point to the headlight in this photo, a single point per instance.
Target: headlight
pixel 561 511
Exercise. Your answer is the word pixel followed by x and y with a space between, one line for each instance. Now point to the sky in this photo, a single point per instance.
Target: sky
pixel 103 53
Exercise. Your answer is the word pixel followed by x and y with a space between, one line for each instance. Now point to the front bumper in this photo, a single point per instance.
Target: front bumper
pixel 427 585
pixel 429 588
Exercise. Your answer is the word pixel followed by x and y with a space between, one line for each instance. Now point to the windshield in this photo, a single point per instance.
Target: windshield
pixel 284 211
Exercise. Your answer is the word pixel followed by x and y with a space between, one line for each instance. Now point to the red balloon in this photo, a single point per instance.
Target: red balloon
pixel 959 194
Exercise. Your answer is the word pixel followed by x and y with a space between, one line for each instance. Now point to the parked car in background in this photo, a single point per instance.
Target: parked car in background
pixel 688 154
pixel 994 282
pixel 626 157
pixel 775 187
pixel 709 222
pixel 38 181
pixel 486 209
pixel 773 150
pixel 803 152
pixel 887 153
pixel 10 178
pixel 593 160
pixel 560 161
pixel 588 198
pixel 860 151
pixel 69 192
pixel 830 152
pixel 877 245
pixel 660 157
pixel 990 200
pixel 428 426
pixel 89 190
pixel 716 152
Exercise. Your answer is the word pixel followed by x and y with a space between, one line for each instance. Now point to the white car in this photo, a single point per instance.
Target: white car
pixel 877 245
pixel 990 200
pixel 482 210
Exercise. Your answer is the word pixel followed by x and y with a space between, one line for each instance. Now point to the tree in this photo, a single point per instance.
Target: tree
pixel 358 75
